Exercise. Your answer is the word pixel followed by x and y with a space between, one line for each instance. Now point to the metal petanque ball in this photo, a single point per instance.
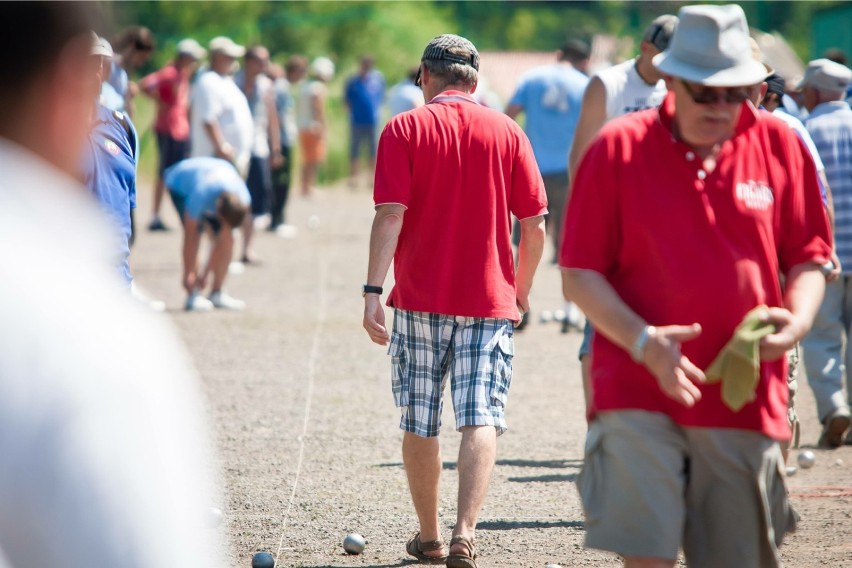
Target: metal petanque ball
pixel 806 459
pixel 262 560
pixel 354 543
pixel 552 566
pixel 791 470
pixel 545 316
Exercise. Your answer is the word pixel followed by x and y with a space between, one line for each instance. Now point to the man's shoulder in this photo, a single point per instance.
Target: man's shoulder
pixel 631 126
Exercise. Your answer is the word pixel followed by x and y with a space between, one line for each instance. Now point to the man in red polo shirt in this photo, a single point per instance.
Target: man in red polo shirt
pixel 682 221
pixel 449 177
pixel 169 87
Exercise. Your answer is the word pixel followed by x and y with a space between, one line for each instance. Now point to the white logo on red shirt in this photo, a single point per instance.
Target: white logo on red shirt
pixel 755 195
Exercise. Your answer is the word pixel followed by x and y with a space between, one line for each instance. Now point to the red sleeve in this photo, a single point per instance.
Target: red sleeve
pixel 801 221
pixel 591 228
pixel 151 81
pixel 527 198
pixel 393 165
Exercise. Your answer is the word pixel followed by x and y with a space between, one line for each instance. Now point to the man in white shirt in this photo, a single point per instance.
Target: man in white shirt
pixel 221 124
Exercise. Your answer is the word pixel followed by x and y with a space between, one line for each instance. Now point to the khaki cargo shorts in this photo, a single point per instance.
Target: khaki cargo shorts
pixel 650 487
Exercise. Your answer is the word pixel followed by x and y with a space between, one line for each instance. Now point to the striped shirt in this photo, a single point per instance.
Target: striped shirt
pixel 830 126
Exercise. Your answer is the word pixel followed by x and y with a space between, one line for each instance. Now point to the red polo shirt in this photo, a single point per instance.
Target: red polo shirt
pixel 461 170
pixel 172 86
pixel 682 246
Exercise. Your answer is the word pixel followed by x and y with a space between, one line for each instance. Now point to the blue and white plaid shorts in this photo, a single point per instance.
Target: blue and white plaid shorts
pixel 476 353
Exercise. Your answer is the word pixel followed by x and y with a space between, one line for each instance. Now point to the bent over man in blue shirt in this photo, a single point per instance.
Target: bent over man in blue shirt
pixel 209 194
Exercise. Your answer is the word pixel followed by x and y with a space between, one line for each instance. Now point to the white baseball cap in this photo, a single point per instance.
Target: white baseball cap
pixel 227 46
pixel 323 67
pixel 192 48
pixel 100 46
pixel 826 75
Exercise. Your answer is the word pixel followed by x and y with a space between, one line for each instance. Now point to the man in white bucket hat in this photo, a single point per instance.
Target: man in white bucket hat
pixel 681 222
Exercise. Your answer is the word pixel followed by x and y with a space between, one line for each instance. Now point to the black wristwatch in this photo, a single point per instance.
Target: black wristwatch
pixel 367 289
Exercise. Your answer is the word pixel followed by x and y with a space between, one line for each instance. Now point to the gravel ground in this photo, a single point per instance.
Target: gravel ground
pixel 307 433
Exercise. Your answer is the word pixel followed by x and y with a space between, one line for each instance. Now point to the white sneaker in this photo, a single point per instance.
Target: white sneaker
pixel 195 302
pixel 224 301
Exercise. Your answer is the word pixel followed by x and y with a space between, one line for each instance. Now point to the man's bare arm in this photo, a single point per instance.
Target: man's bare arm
pixel 592 118
pixel 384 235
pixel 529 255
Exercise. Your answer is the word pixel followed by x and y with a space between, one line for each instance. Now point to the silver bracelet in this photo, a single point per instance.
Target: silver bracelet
pixel 637 351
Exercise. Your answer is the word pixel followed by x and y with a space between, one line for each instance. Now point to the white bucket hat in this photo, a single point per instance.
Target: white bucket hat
pixel 711 47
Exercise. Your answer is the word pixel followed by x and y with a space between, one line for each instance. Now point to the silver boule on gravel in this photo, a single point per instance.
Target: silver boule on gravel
pixel 552 566
pixel 806 459
pixel 354 543
pixel 791 470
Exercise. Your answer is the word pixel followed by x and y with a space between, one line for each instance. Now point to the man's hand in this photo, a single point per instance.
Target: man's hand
pixel 674 372
pixel 189 281
pixel 226 152
pixel 276 160
pixel 834 274
pixel 789 330
pixel 374 319
pixel 523 302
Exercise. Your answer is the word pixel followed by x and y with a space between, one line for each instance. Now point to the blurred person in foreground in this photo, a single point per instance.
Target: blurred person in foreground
pixel 169 88
pixel 682 221
pixel 210 197
pixel 106 456
pixel 449 177
pixel 621 89
pixel 825 349
pixel 312 121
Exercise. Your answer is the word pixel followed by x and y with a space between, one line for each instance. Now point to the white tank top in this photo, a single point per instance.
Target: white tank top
pixel 626 92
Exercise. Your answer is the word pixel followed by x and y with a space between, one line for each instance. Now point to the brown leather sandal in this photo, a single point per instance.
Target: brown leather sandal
pixel 462 560
pixel 416 548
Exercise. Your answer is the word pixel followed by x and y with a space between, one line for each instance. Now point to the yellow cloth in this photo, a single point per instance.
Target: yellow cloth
pixel 738 364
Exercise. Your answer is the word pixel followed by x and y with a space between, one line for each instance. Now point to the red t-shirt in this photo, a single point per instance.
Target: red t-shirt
pixel 461 170
pixel 172 87
pixel 682 246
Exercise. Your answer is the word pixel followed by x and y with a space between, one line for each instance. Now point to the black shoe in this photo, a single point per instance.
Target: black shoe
pixel 157 225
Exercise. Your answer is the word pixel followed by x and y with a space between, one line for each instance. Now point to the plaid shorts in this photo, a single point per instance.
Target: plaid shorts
pixel 476 353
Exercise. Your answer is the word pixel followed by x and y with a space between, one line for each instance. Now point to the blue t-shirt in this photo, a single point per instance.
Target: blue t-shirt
pixel 365 96
pixel 200 182
pixel 110 173
pixel 551 97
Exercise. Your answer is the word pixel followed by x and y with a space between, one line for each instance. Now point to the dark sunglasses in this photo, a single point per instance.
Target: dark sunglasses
pixel 709 95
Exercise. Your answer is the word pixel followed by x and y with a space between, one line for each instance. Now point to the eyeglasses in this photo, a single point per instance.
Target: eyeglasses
pixel 710 95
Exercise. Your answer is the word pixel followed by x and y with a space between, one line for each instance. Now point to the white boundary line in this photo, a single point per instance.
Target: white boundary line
pixel 312 359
